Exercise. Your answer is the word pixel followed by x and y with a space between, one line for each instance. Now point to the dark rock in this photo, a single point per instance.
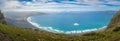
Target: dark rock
pixel 4 37
pixel 1 15
pixel 2 20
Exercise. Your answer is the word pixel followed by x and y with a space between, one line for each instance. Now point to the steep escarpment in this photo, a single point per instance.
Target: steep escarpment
pixel 2 20
pixel 3 36
pixel 115 21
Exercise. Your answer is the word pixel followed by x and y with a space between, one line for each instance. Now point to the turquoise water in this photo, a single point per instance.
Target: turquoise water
pixel 72 22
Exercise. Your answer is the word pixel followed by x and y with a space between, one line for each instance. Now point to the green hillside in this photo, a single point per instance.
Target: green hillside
pixel 115 21
pixel 11 33
pixel 21 34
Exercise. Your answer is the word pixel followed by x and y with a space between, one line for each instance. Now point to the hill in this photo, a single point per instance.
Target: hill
pixel 115 21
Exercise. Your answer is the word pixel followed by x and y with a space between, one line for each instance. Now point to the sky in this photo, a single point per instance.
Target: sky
pixel 59 5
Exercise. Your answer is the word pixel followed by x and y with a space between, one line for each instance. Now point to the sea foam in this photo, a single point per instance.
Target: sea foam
pixel 51 29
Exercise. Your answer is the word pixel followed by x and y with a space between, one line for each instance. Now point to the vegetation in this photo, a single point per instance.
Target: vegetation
pixel 11 33
pixel 20 34
pixel 115 21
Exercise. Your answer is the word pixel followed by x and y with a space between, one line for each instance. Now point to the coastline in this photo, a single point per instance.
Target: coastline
pixel 21 21
pixel 50 29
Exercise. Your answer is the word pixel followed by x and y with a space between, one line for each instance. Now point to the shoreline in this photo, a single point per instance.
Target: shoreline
pixel 50 29
pixel 21 21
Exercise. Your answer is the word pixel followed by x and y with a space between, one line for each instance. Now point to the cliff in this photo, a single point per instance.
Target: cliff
pixel 115 21
pixel 2 20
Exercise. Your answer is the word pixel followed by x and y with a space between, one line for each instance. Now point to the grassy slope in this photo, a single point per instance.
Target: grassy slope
pixel 20 34
pixel 115 21
pixel 12 33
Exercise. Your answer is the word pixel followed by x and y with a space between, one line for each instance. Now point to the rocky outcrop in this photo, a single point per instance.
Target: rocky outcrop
pixel 2 20
pixel 115 21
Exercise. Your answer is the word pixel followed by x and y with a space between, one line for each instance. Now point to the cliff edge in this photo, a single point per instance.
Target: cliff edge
pixel 115 21
pixel 2 20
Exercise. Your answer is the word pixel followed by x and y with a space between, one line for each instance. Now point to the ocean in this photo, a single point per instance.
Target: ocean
pixel 72 22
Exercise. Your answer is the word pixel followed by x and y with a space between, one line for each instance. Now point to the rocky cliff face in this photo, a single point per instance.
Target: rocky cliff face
pixel 115 21
pixel 2 20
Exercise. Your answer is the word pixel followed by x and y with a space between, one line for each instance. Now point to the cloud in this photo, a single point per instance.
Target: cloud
pixel 93 2
pixel 114 2
pixel 65 5
pixel 6 4
pixel 11 4
pixel 99 2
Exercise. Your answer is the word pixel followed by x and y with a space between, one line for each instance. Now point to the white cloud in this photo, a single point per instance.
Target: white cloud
pixel 42 1
pixel 114 2
pixel 98 2
pixel 6 4
pixel 11 4
pixel 38 5
pixel 94 2
pixel 90 2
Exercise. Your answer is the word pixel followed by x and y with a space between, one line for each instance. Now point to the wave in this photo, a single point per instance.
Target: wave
pixel 51 29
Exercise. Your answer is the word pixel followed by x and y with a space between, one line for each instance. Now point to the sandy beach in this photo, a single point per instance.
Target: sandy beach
pixel 19 19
